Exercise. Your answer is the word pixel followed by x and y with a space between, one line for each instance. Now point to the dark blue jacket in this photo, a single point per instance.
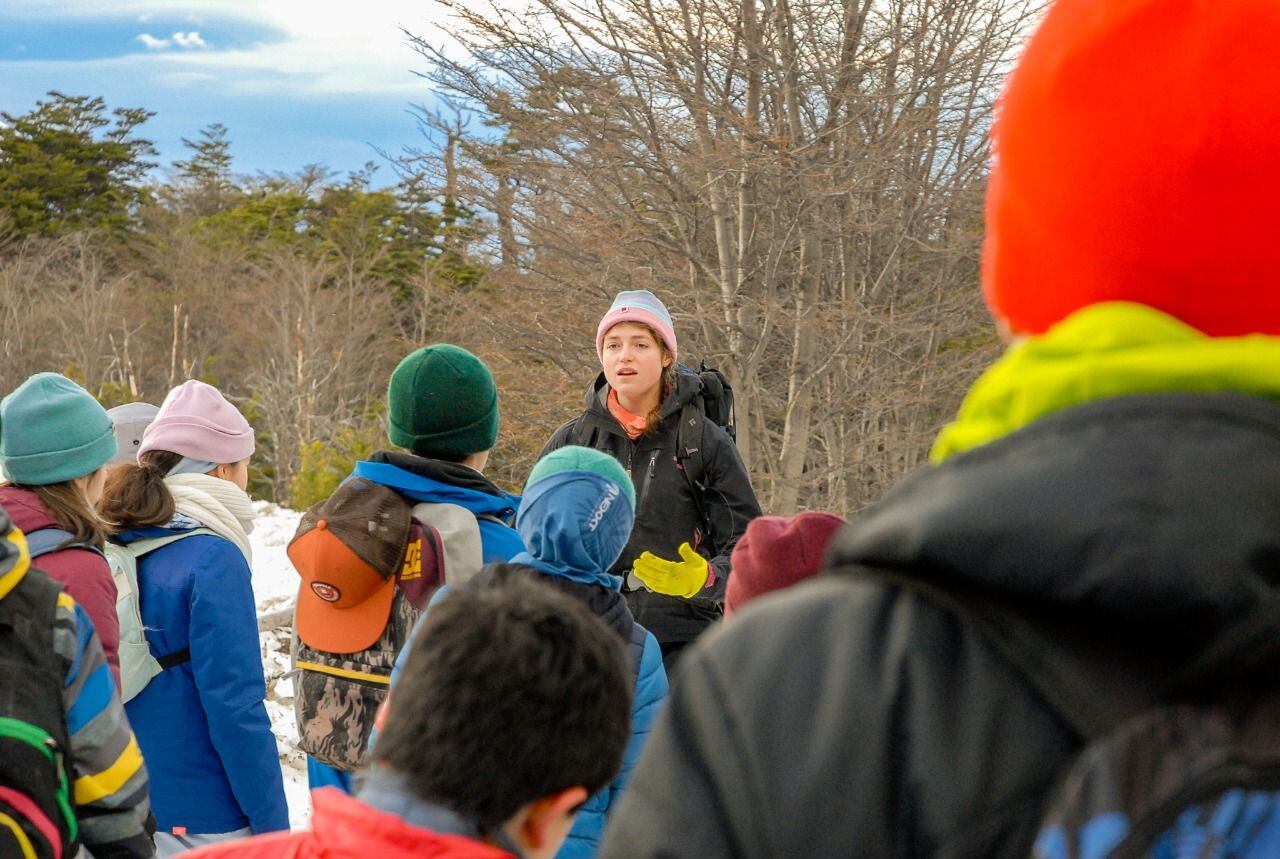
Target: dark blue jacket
pixel 202 725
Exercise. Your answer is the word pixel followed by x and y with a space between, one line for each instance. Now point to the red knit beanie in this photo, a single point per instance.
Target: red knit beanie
pixel 1136 153
pixel 775 552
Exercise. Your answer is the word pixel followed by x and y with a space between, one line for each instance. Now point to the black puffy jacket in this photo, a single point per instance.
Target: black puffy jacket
pixel 667 514
pixel 980 624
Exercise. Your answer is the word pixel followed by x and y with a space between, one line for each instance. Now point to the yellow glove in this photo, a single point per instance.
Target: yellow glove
pixel 683 578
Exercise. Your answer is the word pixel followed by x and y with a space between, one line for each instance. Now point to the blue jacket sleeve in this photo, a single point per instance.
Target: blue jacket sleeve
pixel 227 666
pixel 651 692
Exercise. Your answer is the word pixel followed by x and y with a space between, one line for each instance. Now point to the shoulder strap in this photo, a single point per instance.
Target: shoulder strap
pixel 46 540
pixel 457 536
pixel 689 457
pixel 138 548
pixel 580 434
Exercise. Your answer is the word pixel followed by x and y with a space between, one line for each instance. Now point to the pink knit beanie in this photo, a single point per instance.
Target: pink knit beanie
pixel 196 421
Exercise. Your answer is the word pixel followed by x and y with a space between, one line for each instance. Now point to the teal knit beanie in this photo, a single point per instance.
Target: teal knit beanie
pixel 442 401
pixel 52 430
pixel 574 458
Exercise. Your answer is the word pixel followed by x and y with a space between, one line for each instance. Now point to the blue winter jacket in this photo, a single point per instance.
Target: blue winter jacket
pixel 575 524
pixel 437 482
pixel 651 691
pixel 202 725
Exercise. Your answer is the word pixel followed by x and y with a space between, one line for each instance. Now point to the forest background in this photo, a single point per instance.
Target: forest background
pixel 801 181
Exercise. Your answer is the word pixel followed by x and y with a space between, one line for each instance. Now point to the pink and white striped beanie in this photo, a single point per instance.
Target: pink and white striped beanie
pixel 638 305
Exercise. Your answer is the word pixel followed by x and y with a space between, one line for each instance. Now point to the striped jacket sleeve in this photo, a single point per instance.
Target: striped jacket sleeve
pixel 113 806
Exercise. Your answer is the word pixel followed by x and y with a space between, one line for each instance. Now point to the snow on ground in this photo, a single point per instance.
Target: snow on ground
pixel 275 584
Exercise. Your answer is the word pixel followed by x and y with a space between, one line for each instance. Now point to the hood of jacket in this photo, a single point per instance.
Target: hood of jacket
pixel 1119 553
pixel 437 482
pixel 688 387
pixel 575 524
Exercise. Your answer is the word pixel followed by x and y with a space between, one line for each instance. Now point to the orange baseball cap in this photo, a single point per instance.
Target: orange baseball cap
pixel 348 550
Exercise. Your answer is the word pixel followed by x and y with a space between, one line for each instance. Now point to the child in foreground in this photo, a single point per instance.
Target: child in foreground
pixel 514 708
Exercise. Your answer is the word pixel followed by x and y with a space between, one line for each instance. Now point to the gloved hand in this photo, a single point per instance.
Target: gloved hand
pixel 683 578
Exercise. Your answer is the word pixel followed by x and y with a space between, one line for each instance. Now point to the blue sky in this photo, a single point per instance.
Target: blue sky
pixel 295 82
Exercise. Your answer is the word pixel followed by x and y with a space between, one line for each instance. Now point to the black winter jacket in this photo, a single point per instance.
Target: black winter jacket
pixel 666 512
pixel 981 623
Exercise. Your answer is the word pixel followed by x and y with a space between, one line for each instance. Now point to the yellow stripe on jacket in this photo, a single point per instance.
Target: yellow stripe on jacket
pixel 91 788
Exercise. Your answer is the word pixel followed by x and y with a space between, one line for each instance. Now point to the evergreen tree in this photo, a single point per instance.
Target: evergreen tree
pixel 206 181
pixel 67 165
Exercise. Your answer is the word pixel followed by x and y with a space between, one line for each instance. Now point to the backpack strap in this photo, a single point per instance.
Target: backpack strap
pixel 581 433
pixel 45 540
pixel 689 459
pixel 137 549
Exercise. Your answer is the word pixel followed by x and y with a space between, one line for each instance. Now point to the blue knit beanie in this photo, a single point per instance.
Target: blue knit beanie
pixel 52 430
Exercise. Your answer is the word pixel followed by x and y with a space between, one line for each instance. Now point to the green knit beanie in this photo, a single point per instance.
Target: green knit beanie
pixel 442 401
pixel 574 458
pixel 52 430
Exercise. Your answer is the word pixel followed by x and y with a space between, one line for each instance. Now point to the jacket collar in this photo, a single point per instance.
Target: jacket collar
pixel 1119 552
pixel 388 792
pixel 688 387
pixel 434 481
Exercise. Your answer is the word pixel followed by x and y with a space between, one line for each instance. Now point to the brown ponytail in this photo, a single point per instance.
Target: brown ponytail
pixel 135 496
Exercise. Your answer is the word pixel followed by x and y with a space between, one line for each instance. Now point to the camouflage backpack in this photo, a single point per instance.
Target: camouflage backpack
pixel 369 562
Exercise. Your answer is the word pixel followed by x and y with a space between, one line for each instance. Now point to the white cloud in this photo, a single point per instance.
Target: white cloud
pixel 326 47
pixel 151 43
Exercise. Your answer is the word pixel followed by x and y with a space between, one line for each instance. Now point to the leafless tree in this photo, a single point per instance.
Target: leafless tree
pixel 802 180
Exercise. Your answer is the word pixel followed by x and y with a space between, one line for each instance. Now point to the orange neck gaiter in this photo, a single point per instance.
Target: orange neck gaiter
pixel 635 425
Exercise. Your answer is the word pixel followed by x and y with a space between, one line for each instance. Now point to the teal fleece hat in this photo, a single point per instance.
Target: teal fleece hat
pixel 442 401
pixel 52 430
pixel 575 458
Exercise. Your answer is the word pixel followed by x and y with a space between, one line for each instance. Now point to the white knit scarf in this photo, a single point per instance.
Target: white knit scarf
pixel 217 504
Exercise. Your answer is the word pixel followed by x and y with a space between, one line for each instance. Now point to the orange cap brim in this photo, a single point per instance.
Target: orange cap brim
pixel 324 626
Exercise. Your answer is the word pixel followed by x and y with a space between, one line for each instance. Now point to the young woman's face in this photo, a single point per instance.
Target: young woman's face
pixel 633 361
pixel 234 472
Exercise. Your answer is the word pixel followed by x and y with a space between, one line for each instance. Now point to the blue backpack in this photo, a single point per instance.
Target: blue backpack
pixel 1190 781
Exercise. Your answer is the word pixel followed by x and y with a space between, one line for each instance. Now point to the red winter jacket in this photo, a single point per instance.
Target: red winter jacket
pixel 343 827
pixel 85 575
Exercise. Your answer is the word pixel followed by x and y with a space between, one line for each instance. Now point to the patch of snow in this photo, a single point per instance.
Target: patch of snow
pixel 275 585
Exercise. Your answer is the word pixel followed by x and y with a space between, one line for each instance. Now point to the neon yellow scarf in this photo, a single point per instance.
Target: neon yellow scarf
pixel 1112 349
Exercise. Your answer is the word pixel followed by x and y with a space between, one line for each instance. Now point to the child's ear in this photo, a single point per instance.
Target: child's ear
pixel 547 821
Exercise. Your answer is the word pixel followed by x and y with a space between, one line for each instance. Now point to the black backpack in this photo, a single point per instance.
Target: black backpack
pixel 1175 782
pixel 37 805
pixel 714 403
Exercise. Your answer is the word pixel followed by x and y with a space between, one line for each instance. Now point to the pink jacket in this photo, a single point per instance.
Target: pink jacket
pixel 85 575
